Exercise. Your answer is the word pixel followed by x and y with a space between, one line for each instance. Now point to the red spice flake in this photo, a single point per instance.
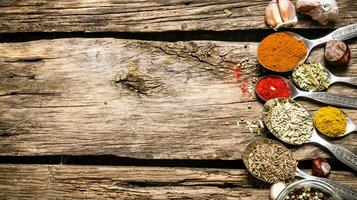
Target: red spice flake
pixel 242 84
pixel 244 87
pixel 236 68
pixel 271 87
pixel 237 72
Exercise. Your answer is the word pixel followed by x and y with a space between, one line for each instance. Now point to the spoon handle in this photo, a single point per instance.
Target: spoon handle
pixel 344 191
pixel 344 155
pixel 332 99
pixel 343 33
pixel 349 80
pixel 341 153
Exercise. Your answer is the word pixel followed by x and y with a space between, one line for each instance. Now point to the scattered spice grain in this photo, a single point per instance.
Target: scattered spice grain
pixel 281 52
pixel 227 12
pixel 330 121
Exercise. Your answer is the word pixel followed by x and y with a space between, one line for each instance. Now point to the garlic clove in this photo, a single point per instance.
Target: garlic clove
pixel 284 8
pixel 280 13
pixel 305 6
pixel 292 12
pixel 323 11
pixel 321 18
pixel 272 15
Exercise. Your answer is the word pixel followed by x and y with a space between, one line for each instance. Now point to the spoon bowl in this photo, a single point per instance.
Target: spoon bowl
pixel 310 44
pixel 287 86
pixel 341 153
pixel 325 79
pixel 350 127
pixel 344 191
pixel 249 149
pixel 323 97
pixel 343 33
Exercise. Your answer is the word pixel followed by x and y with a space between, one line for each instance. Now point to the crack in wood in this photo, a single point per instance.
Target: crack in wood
pixel 185 182
pixel 135 80
pixel 13 75
pixel 205 54
pixel 30 93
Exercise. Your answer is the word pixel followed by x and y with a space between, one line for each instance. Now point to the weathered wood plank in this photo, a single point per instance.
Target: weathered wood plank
pixel 145 16
pixel 97 182
pixel 135 99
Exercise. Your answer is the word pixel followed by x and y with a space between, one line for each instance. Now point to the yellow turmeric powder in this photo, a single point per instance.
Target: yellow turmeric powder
pixel 330 121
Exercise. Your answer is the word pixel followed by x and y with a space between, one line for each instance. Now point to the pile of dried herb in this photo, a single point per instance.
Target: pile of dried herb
pixel 272 162
pixel 290 122
pixel 311 77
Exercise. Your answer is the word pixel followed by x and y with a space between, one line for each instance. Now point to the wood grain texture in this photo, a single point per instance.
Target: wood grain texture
pixel 145 15
pixel 99 182
pixel 151 100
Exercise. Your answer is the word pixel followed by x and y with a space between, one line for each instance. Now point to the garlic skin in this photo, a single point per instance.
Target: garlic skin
pixel 323 11
pixel 276 189
pixel 280 13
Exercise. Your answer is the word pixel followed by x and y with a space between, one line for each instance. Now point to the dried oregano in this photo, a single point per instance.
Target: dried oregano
pixel 311 77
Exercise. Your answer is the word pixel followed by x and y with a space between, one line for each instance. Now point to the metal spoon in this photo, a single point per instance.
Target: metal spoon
pixel 339 79
pixel 350 127
pixel 343 33
pixel 323 97
pixel 341 153
pixel 331 78
pixel 344 191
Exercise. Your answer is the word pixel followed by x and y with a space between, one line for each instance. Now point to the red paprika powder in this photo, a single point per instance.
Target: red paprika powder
pixel 270 87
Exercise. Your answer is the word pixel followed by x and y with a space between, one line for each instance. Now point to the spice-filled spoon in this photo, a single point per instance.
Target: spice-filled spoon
pixel 272 86
pixel 291 123
pixel 283 51
pixel 333 122
pixel 270 161
pixel 351 127
pixel 316 77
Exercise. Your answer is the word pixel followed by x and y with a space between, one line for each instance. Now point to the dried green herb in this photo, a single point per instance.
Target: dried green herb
pixel 290 122
pixel 311 77
pixel 272 162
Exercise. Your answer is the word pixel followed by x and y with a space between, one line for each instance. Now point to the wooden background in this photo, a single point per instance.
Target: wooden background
pixel 113 99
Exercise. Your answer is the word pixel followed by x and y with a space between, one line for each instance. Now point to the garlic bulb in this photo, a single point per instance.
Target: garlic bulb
pixel 280 13
pixel 323 11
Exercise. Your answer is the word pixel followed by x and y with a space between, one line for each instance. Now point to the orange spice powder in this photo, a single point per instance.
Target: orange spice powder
pixel 281 52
